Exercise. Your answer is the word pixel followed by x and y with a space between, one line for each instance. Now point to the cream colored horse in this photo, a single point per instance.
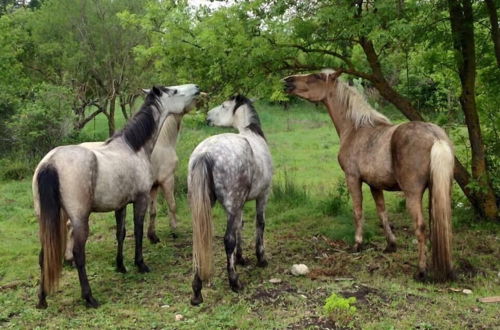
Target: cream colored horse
pixel 408 157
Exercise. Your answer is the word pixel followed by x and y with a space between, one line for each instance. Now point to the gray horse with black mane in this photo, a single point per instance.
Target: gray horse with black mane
pixel 231 168
pixel 73 181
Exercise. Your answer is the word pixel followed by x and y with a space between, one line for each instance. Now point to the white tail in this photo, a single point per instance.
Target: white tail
pixel 441 166
pixel 200 189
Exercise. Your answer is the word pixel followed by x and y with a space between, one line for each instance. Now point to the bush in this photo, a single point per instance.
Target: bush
pixel 44 122
pixel 340 311
pixel 15 169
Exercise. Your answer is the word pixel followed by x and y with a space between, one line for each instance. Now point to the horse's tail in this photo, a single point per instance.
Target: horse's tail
pixel 441 167
pixel 52 228
pixel 201 195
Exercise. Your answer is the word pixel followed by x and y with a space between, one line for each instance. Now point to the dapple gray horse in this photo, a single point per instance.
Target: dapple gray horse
pixel 73 181
pixel 231 168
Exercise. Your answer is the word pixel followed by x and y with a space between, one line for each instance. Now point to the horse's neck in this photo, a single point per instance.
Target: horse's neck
pixel 337 112
pixel 169 131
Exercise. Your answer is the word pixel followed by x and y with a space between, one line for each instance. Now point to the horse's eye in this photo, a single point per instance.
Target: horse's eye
pixel 174 91
pixel 318 76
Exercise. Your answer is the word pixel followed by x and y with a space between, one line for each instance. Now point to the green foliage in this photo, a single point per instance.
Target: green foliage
pixel 43 123
pixel 340 310
pixel 337 202
pixel 14 169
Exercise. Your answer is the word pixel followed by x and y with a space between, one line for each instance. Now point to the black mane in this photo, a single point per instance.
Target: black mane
pixel 255 125
pixel 141 126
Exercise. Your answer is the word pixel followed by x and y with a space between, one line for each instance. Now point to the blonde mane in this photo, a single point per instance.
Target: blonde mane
pixel 356 108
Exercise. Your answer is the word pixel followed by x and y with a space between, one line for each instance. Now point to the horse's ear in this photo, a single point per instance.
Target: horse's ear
pixel 335 75
pixel 146 90
pixel 156 91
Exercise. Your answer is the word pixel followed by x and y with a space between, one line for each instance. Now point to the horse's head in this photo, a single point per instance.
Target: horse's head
pixel 226 114
pixel 174 99
pixel 313 87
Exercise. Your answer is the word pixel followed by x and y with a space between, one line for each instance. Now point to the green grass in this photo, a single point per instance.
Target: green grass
pixel 308 221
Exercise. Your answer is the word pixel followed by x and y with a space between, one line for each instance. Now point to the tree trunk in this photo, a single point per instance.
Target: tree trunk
pixel 123 106
pixel 495 30
pixel 111 116
pixel 462 29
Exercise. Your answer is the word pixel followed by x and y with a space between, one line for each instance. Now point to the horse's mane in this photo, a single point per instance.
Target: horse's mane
pixel 140 127
pixel 357 108
pixel 255 125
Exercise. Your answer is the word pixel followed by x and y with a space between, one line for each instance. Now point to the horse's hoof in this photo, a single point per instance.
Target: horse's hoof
pixel 143 268
pixel 90 302
pixel 391 247
pixel 421 276
pixel 262 263
pixel 121 269
pixel 174 235
pixel 196 300
pixel 241 261
pixel 357 247
pixel 236 286
pixel 42 304
pixel 153 238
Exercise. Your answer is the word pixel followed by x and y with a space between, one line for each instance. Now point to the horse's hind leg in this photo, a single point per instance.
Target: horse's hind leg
pixel 414 206
pixel 80 234
pixel 120 236
pixel 168 191
pixel 378 196
pixel 259 237
pixel 230 242
pixel 152 215
pixel 240 260
pixel 354 186
pixel 140 207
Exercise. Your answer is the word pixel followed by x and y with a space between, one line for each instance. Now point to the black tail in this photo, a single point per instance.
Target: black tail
pixel 52 229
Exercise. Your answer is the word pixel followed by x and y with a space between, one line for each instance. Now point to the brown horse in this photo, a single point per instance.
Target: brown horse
pixel 408 157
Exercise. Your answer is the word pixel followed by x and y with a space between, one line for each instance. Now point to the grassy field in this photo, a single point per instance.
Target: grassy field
pixel 308 221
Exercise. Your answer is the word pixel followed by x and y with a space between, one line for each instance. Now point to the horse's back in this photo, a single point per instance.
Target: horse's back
pixel 232 166
pixel 411 146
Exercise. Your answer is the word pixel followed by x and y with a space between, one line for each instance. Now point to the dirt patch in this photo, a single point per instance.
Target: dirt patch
pixel 313 322
pixel 274 294
pixel 362 294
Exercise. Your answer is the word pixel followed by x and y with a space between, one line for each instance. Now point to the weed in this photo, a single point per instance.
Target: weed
pixel 340 310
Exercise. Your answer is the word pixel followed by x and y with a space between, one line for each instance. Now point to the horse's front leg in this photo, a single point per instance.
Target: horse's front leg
pixel 168 191
pixel 354 186
pixel 140 207
pixel 230 242
pixel 120 236
pixel 260 224
pixel 152 215
pixel 378 196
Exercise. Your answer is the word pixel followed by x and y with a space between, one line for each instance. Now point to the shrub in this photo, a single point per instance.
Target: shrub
pixel 337 202
pixel 44 122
